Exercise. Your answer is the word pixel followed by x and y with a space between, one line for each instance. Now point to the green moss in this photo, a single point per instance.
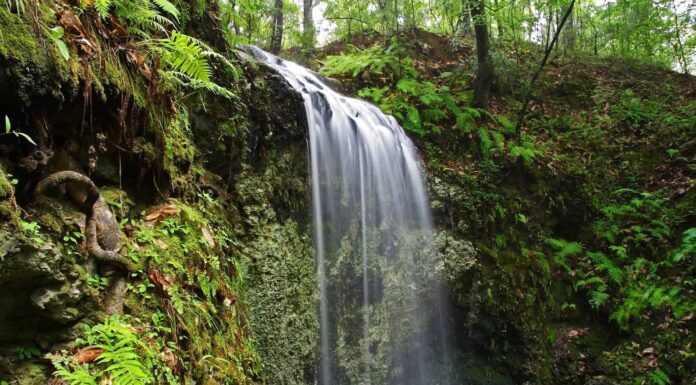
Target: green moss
pixel 279 268
pixel 32 55
pixel 8 206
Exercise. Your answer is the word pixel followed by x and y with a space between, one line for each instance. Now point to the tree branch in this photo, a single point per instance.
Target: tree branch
pixel 549 49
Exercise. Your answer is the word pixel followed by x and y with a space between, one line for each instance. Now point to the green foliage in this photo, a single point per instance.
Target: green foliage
pixel 98 282
pixel 71 240
pixel 8 130
pixel 32 230
pixel 377 59
pixel 26 353
pixel 56 34
pixel 527 151
pixel 421 106
pixel 143 17
pixel 185 61
pixel 618 277
pixel 126 359
pixel 564 250
pixel 75 375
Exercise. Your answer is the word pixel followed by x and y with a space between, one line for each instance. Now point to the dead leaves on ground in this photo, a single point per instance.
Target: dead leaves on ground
pixel 160 212
pixel 88 354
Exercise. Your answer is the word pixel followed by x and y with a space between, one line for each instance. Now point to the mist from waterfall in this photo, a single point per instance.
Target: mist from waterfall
pixel 383 315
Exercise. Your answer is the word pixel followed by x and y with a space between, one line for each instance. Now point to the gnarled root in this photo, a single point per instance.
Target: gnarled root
pixel 102 233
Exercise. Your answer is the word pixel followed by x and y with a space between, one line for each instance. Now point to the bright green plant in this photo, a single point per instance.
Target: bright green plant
pixel 127 358
pixel 374 60
pixel 73 373
pixel 71 239
pixel 8 131
pixel 56 34
pixel 141 16
pixel 32 229
pixel 98 282
pixel 185 63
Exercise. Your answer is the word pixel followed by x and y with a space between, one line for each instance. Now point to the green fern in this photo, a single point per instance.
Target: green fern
pixel 184 81
pixel 185 62
pixel 598 298
pixel 79 375
pixel 102 7
pixel 564 250
pixel 185 54
pixel 125 366
pixel 658 377
pixel 168 7
pixel 604 263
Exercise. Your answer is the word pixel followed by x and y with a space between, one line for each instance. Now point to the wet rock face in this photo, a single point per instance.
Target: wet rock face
pixel 41 295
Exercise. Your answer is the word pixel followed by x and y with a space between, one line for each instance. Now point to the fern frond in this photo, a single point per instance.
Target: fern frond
pixel 80 375
pixel 599 298
pixel 168 7
pixel 184 54
pixel 102 7
pixel 185 81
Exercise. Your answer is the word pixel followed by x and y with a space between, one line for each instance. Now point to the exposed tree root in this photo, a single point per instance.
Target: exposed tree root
pixel 102 233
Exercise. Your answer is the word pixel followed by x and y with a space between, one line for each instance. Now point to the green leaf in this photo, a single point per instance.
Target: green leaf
pixel 8 126
pixel 57 32
pixel 63 49
pixel 56 35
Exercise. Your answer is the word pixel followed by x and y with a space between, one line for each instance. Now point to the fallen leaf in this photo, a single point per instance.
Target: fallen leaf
pixel 163 211
pixel 161 244
pixel 153 216
pixel 161 281
pixel 208 236
pixel 71 23
pixel 88 354
pixel 169 359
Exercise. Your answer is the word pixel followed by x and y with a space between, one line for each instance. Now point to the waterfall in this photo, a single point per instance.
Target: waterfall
pixel 383 318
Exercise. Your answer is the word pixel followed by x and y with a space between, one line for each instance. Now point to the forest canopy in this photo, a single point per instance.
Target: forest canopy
pixel 662 32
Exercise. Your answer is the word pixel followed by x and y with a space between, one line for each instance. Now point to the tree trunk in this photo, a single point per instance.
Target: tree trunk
pixel 570 32
pixel 498 23
pixel 464 23
pixel 277 35
pixel 308 33
pixel 484 73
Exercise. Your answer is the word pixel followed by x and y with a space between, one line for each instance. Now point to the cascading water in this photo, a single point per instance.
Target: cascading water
pixel 383 318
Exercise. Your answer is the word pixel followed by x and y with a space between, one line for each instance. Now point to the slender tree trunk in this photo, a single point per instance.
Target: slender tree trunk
pixel 308 33
pixel 547 40
pixel 464 23
pixel 570 32
pixel 679 47
pixel 484 73
pixel 277 34
pixel 549 49
pixel 498 24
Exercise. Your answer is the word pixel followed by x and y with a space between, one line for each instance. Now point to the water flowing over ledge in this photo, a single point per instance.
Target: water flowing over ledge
pixel 382 310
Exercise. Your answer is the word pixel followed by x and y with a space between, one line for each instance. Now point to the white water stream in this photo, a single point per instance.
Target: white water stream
pixel 382 318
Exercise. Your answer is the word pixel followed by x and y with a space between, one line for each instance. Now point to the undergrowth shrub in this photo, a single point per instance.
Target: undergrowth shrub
pixel 639 272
